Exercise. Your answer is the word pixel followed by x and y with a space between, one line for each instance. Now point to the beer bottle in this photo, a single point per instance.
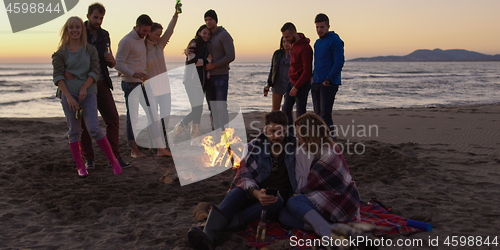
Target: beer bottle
pixel 178 6
pixel 261 228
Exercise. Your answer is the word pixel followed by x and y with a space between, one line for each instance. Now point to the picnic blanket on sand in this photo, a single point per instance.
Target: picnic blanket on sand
pixel 371 212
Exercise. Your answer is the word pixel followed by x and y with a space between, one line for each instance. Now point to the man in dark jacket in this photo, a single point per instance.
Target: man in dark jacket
pixel 328 63
pixel 105 102
pixel 300 72
pixel 269 163
pixel 222 49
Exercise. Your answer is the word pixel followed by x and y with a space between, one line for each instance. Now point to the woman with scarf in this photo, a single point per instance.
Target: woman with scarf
pixel 328 194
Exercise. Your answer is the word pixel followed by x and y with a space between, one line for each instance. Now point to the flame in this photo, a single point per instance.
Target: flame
pixel 221 154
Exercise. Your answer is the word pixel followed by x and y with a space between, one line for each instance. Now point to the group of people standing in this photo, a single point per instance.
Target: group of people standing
pixel 314 187
pixel 292 74
pixel 81 74
pixel 307 174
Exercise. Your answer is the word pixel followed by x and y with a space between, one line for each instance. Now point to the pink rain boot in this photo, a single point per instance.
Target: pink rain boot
pixel 76 151
pixel 106 148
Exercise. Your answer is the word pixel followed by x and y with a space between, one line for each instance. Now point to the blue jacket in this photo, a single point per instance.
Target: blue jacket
pixel 328 58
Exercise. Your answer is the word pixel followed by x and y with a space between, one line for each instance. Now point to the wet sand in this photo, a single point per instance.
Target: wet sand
pixel 438 165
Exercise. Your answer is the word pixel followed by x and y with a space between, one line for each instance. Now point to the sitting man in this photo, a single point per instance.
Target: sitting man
pixel 268 163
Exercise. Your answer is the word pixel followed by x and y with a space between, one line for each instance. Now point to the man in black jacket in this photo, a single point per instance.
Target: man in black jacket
pixel 105 102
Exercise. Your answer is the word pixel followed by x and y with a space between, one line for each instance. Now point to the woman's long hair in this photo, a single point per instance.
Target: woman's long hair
pixel 65 32
pixel 281 44
pixel 315 134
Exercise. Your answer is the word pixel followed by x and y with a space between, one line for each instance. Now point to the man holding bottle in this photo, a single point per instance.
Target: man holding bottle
pixel 99 37
pixel 131 63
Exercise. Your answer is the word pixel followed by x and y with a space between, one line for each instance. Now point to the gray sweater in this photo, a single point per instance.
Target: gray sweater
pixel 222 49
pixel 82 63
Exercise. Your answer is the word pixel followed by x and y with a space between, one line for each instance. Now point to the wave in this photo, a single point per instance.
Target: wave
pixel 27 74
pixel 10 103
pixel 409 76
pixel 251 65
pixel 259 73
pixel 15 102
pixel 13 91
pixel 413 72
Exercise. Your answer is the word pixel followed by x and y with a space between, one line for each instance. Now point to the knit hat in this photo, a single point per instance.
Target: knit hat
pixel 211 13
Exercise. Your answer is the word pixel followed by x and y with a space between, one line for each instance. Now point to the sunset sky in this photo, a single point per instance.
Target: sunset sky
pixel 368 28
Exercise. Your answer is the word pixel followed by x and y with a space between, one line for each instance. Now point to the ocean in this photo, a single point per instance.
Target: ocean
pixel 27 90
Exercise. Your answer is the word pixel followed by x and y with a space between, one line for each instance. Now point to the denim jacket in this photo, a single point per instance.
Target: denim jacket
pixel 256 166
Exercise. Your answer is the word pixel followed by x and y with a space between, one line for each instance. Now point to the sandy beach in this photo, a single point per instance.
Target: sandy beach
pixel 438 165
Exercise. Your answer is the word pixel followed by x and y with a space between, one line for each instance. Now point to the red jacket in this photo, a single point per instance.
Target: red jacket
pixel 301 57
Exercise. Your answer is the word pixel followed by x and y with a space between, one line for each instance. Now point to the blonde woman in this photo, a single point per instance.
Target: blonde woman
pixel 330 195
pixel 78 97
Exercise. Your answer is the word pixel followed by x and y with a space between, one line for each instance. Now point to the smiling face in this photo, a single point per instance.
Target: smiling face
pixel 142 30
pixel 205 34
pixel 155 35
pixel 95 20
pixel 75 30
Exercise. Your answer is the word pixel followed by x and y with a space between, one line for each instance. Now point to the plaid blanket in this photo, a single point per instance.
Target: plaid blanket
pixel 371 212
pixel 330 186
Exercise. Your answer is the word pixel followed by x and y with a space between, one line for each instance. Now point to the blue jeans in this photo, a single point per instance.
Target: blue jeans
pixel 216 91
pixel 296 208
pixel 236 200
pixel 89 115
pixel 323 98
pixel 300 98
pixel 127 87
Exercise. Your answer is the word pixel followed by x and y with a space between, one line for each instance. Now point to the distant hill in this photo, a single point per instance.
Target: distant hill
pixel 425 55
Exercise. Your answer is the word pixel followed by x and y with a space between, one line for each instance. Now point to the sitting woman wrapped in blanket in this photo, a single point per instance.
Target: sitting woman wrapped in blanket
pixel 326 193
pixel 268 163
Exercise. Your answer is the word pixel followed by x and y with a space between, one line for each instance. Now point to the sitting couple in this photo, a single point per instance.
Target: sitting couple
pixel 312 178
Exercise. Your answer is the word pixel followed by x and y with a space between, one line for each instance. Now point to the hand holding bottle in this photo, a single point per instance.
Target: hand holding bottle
pixel 108 56
pixel 178 6
pixel 266 90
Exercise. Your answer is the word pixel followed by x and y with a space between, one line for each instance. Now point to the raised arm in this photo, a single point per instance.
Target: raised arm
pixel 169 31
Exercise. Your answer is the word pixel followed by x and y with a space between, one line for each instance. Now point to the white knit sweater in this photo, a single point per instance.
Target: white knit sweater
pixel 131 56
